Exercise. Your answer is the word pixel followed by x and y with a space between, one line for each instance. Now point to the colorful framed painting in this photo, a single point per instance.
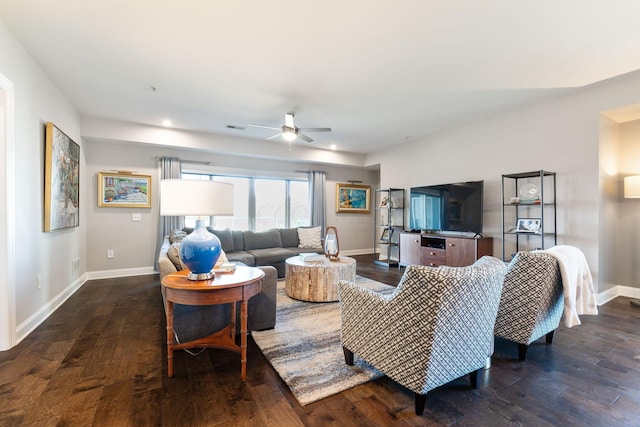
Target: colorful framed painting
pixel 124 190
pixel 61 180
pixel 353 198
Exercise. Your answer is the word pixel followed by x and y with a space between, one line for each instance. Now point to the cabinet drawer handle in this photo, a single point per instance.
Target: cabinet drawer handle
pixel 417 241
pixel 451 244
pixel 432 264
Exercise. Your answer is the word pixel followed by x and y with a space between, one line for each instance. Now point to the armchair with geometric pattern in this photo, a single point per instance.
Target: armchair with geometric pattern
pixel 532 300
pixel 435 327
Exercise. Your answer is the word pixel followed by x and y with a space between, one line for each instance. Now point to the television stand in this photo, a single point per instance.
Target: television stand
pixel 437 249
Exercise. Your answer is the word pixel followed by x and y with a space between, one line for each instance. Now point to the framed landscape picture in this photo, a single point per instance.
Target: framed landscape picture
pixel 352 198
pixel 61 180
pixel 124 190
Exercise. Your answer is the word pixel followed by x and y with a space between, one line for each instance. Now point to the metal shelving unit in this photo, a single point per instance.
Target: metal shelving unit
pixel 389 222
pixel 528 212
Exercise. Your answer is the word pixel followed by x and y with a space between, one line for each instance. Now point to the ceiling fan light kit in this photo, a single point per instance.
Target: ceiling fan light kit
pixel 289 131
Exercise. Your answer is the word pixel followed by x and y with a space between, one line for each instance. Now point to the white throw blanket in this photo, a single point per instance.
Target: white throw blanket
pixel 577 283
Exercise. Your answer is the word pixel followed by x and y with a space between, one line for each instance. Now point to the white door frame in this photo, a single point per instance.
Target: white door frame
pixel 7 217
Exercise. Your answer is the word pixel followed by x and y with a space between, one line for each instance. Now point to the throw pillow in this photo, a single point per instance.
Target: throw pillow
pixel 176 236
pixel 174 255
pixel 310 237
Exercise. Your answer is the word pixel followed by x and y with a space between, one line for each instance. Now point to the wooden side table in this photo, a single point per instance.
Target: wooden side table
pixel 317 281
pixel 244 283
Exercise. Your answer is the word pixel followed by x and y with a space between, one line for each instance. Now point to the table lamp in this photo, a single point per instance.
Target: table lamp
pixel 201 249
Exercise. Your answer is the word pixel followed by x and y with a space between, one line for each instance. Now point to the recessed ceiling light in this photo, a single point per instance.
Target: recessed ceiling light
pixel 166 122
pixel 333 147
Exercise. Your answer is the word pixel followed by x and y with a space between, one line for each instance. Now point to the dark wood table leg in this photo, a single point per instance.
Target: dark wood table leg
pixel 169 338
pixel 243 340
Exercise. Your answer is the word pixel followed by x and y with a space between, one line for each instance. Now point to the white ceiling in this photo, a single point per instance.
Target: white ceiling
pixel 378 72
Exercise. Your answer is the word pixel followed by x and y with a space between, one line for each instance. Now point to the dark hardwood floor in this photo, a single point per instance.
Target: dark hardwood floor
pixel 101 360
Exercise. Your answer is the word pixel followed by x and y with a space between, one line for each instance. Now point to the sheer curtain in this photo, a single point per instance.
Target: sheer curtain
pixel 317 197
pixel 170 168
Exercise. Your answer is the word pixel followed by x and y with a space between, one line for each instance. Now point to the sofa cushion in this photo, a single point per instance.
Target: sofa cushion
pixel 262 240
pixel 289 237
pixel 271 256
pixel 226 239
pixel 238 240
pixel 241 256
pixel 310 237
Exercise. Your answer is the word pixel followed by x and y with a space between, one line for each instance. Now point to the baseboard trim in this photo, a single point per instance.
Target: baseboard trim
pixel 617 291
pixel 123 272
pixel 33 321
pixel 357 252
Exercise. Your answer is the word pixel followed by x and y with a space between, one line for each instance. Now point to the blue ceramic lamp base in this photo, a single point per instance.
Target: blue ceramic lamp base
pixel 200 251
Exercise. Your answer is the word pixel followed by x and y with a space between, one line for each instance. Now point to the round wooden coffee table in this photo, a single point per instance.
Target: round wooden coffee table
pixel 317 281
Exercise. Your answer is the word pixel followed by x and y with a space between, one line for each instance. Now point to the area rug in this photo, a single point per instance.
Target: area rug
pixel 305 349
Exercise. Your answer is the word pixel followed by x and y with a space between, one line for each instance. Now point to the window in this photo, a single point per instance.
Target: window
pixel 260 203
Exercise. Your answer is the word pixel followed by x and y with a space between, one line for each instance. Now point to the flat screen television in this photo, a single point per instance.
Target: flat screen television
pixel 447 207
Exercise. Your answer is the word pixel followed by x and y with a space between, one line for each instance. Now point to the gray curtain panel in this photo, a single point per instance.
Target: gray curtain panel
pixel 170 168
pixel 317 197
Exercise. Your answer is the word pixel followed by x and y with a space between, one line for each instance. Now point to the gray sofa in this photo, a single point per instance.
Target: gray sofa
pixel 256 249
pixel 252 249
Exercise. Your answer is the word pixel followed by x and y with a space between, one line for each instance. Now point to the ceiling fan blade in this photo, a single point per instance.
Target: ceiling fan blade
pixel 236 127
pixel 304 137
pixel 316 129
pixel 275 136
pixel 263 127
pixel 288 120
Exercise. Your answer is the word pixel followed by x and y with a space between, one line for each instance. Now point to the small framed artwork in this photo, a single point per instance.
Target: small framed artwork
pixel 124 190
pixel 61 180
pixel 353 198
pixel 528 225
pixel 386 235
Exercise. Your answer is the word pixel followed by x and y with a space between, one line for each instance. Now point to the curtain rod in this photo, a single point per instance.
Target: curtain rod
pixel 194 162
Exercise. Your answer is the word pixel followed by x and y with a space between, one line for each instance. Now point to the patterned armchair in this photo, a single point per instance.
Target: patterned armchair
pixel 531 304
pixel 435 327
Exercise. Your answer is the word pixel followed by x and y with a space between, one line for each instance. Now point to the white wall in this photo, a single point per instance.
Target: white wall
pixel 628 235
pixel 134 243
pixel 561 136
pixel 49 255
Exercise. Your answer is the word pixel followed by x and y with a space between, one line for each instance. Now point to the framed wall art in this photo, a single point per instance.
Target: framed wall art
pixel 61 180
pixel 124 189
pixel 353 198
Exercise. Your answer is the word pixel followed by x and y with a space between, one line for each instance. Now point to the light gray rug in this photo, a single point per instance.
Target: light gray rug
pixel 305 349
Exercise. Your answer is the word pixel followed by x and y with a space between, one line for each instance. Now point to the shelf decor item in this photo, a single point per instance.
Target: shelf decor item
pixel 353 198
pixel 386 235
pixel 331 244
pixel 61 180
pixel 124 189
pixel 201 249
pixel 528 225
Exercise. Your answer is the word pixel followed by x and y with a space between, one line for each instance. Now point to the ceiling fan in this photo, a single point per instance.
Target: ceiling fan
pixel 289 131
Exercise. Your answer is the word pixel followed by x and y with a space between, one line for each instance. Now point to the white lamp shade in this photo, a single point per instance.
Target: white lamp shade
pixel 632 187
pixel 179 197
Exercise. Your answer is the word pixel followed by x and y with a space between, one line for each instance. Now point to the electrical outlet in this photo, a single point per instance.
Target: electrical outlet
pixel 39 281
pixel 136 217
pixel 109 253
pixel 75 266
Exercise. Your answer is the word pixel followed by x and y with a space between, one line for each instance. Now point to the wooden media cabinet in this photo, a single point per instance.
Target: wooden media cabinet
pixel 435 250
